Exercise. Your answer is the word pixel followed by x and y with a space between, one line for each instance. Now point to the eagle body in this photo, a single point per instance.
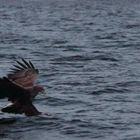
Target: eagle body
pixel 19 87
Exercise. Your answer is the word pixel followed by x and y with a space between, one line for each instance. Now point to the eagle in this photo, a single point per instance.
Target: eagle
pixel 20 88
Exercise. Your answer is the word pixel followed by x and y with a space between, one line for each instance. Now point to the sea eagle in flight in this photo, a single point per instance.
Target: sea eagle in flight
pixel 19 87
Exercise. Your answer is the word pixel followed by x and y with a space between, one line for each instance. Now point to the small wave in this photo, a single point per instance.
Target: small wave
pixel 61 102
pixel 73 58
pixel 105 58
pixel 110 90
pixel 128 83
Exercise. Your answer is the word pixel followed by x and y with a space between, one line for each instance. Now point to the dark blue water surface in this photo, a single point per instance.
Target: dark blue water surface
pixel 88 54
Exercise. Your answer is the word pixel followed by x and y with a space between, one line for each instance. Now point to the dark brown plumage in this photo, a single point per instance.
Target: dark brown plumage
pixel 19 87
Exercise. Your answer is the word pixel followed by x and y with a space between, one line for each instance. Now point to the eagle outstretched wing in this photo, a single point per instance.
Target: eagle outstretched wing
pixel 11 91
pixel 23 74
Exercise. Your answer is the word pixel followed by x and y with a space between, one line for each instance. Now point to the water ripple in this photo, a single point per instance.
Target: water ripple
pixel 88 56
